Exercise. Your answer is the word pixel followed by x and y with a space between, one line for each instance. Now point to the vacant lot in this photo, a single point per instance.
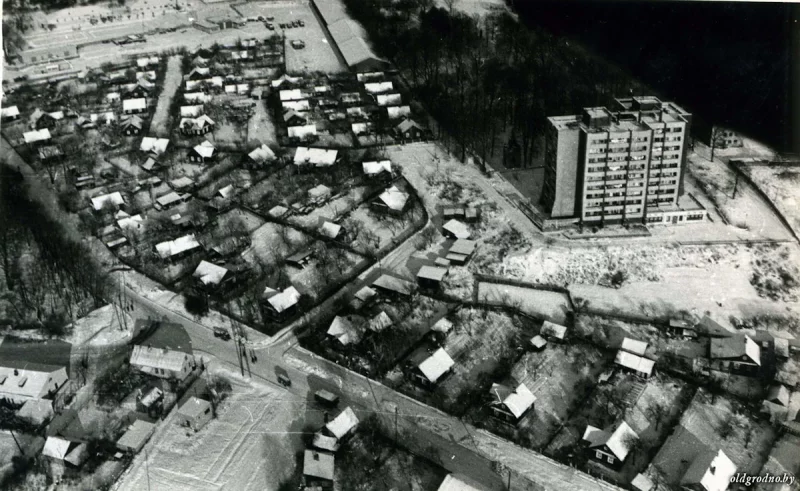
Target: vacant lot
pixel 250 445
pixel 550 305
pixel 318 54
pixel 159 126
pixel 260 127
pixel 744 209
pixel 560 377
pixel 782 186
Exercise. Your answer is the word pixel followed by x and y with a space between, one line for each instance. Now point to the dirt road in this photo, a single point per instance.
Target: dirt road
pixel 172 81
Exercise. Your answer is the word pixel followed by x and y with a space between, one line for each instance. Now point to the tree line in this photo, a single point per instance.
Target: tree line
pixel 48 279
pixel 487 79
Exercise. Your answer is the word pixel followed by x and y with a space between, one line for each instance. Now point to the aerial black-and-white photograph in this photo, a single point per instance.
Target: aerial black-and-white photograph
pixel 399 245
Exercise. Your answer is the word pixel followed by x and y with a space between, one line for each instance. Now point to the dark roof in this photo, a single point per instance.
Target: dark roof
pixel 169 336
pixel 710 327
pixel 52 352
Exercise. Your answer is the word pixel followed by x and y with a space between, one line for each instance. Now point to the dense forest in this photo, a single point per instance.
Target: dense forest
pixel 46 278
pixel 727 62
pixel 485 80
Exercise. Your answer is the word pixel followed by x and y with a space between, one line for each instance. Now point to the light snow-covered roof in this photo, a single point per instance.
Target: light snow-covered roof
pixel 380 322
pixel 136 435
pixel 713 471
pixel 319 191
pixel 453 482
pixel 391 283
pixel 278 211
pixel 319 157
pixel 161 358
pixel 325 442
pixel 226 191
pixel 642 483
pixel 285 299
pixel 343 424
pixel 194 407
pixel 291 95
pixel 457 229
pixel 394 199
pixel 196 96
pixel 114 198
pixel 330 230
pixel 262 154
pixel 517 401
pixel 9 112
pixel 538 342
pixel 436 365
pixel 365 293
pixel 395 112
pixel 56 447
pixel 302 131
pixel 554 330
pixel 344 331
pixel 318 464
pixel 442 325
pixel 390 99
pixel 432 273
pixel 205 149
pixel 617 441
pixel 634 346
pixel 378 87
pixel 30 380
pixel 191 111
pixel 168 199
pixel 172 247
pixel 209 273
pixel 134 104
pixel 634 362
pixel 154 145
pixel 376 167
pixel 146 61
pixel 36 136
pixel 130 223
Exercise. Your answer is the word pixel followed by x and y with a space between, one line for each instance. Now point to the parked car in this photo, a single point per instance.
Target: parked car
pixel 270 18
pixel 222 333
pixel 298 44
pixel 301 23
pixel 295 23
pixel 270 26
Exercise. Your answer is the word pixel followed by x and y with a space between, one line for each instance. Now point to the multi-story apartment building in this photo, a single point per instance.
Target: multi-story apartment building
pixel 621 166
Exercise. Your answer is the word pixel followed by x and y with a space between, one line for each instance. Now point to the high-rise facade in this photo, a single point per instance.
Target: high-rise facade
pixel 619 166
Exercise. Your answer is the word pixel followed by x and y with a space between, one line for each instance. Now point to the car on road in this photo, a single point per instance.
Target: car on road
pixel 270 26
pixel 270 18
pixel 222 333
pixel 301 23
pixel 295 23
pixel 298 44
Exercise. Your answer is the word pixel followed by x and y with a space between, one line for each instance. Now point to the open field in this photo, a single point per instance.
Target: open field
pixel 550 305
pixel 744 209
pixel 251 445
pixel 782 186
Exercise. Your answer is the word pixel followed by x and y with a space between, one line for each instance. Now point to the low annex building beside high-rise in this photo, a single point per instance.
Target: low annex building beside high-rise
pixel 619 166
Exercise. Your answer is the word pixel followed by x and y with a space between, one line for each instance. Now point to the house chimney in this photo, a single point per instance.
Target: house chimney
pixel 712 469
pixel 316 456
pixel 16 372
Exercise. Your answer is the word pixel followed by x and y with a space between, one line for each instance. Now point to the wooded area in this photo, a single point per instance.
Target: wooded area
pixel 487 79
pixel 47 278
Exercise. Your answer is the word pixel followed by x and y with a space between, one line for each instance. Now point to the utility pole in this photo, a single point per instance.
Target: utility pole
pixel 736 182
pixel 395 427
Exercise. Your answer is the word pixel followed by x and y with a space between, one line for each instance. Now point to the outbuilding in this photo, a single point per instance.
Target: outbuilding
pixel 195 413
